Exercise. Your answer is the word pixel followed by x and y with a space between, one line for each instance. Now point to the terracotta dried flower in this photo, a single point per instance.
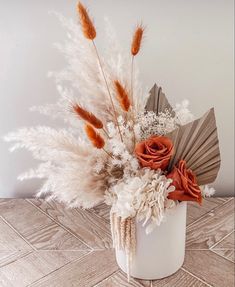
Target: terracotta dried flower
pixel 122 96
pixel 87 116
pixel 94 137
pixel 137 39
pixel 88 27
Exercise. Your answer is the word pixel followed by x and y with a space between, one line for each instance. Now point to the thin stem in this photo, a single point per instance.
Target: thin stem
pixel 132 69
pixel 106 133
pixel 106 83
pixel 107 153
pixel 132 97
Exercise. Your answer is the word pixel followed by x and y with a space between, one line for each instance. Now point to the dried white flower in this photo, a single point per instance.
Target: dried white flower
pixel 182 113
pixel 143 196
pixel 207 191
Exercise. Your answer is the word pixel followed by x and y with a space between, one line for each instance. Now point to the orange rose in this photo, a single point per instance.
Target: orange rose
pixel 155 152
pixel 185 182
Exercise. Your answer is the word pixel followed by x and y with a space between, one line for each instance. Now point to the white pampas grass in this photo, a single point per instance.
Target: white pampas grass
pixel 68 167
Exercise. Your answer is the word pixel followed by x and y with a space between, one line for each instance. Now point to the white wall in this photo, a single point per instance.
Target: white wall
pixel 188 50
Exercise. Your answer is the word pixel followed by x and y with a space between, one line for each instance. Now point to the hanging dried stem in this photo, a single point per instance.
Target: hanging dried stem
pixel 94 137
pixel 124 237
pixel 88 27
pixel 128 246
pixel 123 233
pixel 122 96
pixel 87 116
pixel 133 237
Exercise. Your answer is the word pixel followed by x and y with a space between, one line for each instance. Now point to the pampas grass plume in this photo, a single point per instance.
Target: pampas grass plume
pixel 88 27
pixel 87 116
pixel 122 96
pixel 94 137
pixel 137 39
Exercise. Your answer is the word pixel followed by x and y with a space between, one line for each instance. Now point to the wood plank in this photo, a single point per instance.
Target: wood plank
pixel 34 266
pixel 226 253
pixel 119 279
pixel 7 257
pixel 210 267
pixel 211 228
pixel 145 283
pixel 195 211
pixel 36 228
pixel 225 247
pixel 102 210
pixel 219 200
pixel 226 243
pixel 87 272
pixel 10 240
pixel 179 279
pixel 86 225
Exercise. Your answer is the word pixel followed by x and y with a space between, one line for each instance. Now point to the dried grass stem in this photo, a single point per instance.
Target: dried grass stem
pixel 110 96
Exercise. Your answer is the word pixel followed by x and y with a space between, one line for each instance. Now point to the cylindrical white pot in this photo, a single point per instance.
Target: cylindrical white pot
pixel 160 253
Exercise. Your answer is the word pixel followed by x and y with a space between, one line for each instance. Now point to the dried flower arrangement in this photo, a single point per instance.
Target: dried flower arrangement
pixel 129 149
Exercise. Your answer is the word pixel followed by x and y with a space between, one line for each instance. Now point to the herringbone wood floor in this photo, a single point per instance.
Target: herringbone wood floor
pixel 45 244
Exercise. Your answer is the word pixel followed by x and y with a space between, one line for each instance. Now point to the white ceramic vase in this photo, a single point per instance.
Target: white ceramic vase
pixel 160 253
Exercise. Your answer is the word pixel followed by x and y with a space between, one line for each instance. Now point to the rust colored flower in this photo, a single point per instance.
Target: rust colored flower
pixel 87 116
pixel 185 182
pixel 155 152
pixel 88 27
pixel 137 39
pixel 94 137
pixel 122 96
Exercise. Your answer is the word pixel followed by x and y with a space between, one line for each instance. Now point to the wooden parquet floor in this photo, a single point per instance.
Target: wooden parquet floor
pixel 45 244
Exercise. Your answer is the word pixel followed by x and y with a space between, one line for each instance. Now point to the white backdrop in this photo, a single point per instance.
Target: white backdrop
pixel 188 50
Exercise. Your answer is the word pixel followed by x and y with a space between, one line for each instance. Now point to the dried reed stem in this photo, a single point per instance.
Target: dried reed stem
pixel 123 232
pixel 135 47
pixel 106 83
pixel 133 237
pixel 106 133
pixel 132 71
pixel 124 237
pixel 109 154
pixel 128 246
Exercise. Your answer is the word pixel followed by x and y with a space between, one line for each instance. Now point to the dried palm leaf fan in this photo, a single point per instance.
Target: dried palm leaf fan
pixel 197 143
pixel 157 101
